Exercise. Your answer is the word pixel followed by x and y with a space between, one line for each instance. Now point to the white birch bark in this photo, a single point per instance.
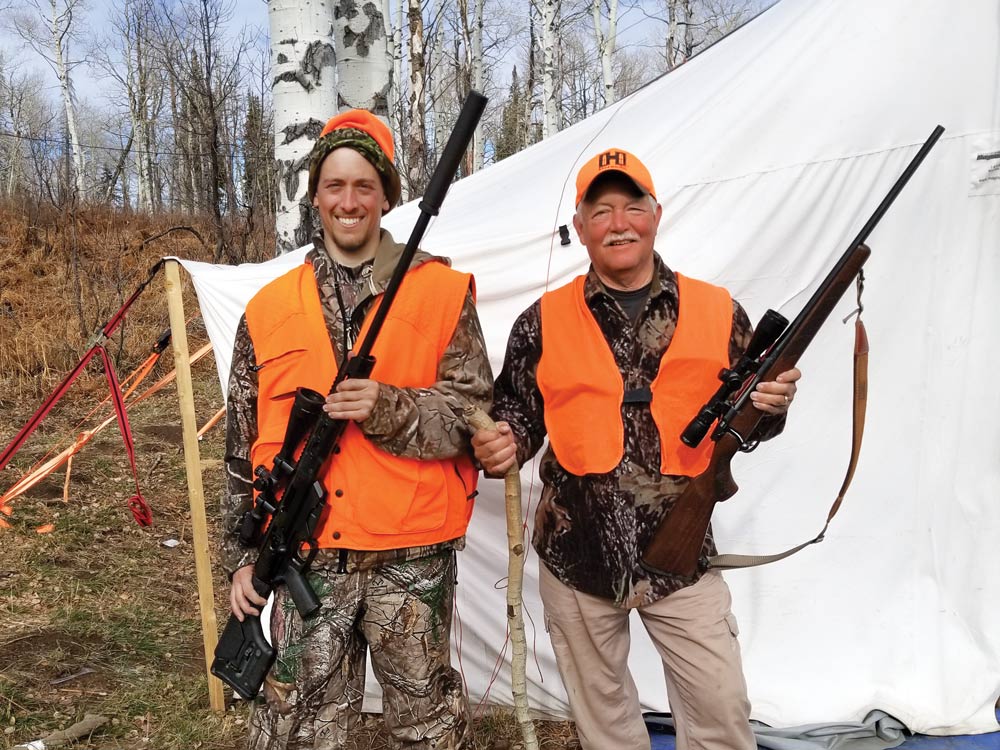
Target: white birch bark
pixel 47 29
pixel 361 46
pixel 436 83
pixel 679 40
pixel 394 52
pixel 548 11
pixel 131 27
pixel 529 82
pixel 61 24
pixel 416 149
pixel 477 80
pixel 10 100
pixel 136 107
pixel 305 97
pixel 472 75
pixel 146 108
pixel 606 44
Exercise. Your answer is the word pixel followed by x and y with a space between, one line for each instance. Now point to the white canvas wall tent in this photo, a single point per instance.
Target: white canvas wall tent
pixel 769 151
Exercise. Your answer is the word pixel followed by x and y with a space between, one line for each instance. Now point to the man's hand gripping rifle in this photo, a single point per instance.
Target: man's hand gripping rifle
pixel 243 656
pixel 774 348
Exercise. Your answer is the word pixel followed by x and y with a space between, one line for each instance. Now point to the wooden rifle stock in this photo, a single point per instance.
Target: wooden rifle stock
pixel 676 545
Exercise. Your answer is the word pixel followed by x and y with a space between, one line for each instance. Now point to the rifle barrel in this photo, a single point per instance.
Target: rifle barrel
pixel 866 230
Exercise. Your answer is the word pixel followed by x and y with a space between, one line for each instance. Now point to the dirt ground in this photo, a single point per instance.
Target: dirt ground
pixel 100 616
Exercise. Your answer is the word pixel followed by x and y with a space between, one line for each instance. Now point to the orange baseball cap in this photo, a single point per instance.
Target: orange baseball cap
pixel 614 160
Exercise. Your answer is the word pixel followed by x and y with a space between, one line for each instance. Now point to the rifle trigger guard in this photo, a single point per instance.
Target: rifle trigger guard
pixel 727 430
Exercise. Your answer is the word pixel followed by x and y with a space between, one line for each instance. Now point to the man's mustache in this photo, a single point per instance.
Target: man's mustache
pixel 611 239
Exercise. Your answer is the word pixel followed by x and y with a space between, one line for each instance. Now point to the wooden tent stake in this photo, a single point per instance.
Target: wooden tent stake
pixel 69 469
pixel 196 493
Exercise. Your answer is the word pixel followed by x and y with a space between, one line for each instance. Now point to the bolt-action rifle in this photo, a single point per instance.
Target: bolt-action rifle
pixel 774 348
pixel 243 656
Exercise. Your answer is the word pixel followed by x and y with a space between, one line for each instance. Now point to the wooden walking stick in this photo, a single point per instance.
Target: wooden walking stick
pixel 515 583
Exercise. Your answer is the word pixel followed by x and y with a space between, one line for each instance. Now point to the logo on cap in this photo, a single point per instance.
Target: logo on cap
pixel 609 158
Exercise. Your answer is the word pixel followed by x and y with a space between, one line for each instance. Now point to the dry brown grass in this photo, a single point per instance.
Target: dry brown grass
pixel 62 275
pixel 99 616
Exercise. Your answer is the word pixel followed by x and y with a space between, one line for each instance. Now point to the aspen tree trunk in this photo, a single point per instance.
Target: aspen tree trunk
pixel 60 26
pixel 478 420
pixel 688 30
pixel 143 197
pixel 394 51
pixel 679 41
pixel 549 14
pixel 175 178
pixel 13 157
pixel 436 78
pixel 529 82
pixel 397 105
pixel 416 149
pixel 305 97
pixel 230 137
pixel 141 122
pixel 472 75
pixel 606 44
pixel 13 145
pixel 134 30
pixel 477 80
pixel 144 169
pixel 361 47
pixel 193 181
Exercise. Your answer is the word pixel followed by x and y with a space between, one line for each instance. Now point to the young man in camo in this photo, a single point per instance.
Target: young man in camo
pixel 401 482
pixel 645 345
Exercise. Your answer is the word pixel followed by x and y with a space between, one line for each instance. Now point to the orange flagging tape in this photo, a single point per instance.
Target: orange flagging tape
pixel 212 422
pixel 135 377
pixel 41 471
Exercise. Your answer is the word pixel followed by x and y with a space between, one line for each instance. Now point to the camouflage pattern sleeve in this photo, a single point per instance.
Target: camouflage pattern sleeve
pixel 429 423
pixel 516 398
pixel 241 431
pixel 772 425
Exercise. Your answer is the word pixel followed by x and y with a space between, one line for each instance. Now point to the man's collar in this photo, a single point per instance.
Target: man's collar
pixel 386 254
pixel 663 280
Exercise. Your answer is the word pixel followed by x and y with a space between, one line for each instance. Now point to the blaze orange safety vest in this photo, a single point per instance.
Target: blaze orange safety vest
pixel 583 389
pixel 375 500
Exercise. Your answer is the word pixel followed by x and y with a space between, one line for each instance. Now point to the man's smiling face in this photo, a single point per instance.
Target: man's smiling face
pixel 617 223
pixel 350 199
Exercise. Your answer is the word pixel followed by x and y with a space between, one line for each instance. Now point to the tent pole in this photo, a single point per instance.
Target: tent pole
pixel 196 493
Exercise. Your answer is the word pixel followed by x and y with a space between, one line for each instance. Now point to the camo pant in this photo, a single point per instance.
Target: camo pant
pixel 402 612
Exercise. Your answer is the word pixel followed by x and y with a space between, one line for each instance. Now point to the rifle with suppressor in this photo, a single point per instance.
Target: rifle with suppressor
pixel 774 348
pixel 243 656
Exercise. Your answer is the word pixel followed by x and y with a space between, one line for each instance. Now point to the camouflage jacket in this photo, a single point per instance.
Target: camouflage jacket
pixel 590 530
pixel 409 422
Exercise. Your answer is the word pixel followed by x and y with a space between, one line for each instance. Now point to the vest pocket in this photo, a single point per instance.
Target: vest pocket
pixel 408 496
pixel 277 379
pixel 279 375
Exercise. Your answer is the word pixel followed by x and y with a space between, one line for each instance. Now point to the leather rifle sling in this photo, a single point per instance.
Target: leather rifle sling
pixel 730 562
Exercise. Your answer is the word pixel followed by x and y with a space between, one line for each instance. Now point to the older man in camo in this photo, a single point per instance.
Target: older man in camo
pixel 611 367
pixel 401 482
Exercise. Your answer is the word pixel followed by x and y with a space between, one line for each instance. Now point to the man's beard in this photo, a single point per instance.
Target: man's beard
pixel 350 243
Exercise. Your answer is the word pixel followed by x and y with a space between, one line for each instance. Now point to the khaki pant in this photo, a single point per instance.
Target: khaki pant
pixel 694 632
